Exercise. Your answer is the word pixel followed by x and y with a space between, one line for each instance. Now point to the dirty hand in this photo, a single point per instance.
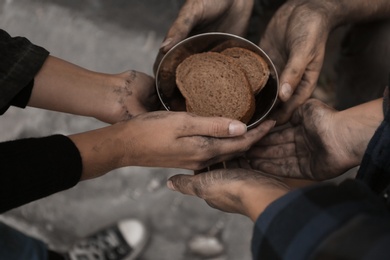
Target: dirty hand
pixel 199 16
pixel 133 94
pixel 183 140
pixel 242 191
pixel 320 143
pixel 165 139
pixel 295 40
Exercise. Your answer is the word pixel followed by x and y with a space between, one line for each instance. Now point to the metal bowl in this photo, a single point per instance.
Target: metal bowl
pixel 171 97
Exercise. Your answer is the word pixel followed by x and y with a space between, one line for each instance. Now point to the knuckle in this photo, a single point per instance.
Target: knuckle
pixel 217 128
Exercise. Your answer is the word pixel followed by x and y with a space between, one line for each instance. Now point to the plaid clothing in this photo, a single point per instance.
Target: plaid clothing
pixel 328 221
pixel 375 167
pixel 324 222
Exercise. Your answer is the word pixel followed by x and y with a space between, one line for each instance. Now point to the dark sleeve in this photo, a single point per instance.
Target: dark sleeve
pixel 374 169
pixel 20 61
pixel 33 168
pixel 324 221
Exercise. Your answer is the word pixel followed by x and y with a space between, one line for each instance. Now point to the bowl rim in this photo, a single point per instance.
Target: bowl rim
pixel 239 38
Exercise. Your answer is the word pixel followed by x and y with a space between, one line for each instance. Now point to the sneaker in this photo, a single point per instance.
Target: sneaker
pixel 122 241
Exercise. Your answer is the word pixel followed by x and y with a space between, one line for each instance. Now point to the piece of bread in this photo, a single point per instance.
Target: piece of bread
pixel 255 68
pixel 213 85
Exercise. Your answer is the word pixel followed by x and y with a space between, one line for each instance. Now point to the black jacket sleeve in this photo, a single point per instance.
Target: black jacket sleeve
pixel 20 61
pixel 37 167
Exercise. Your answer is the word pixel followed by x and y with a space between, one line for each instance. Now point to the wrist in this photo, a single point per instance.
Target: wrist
pixel 101 150
pixel 356 126
pixel 256 199
pixel 345 11
pixel 112 107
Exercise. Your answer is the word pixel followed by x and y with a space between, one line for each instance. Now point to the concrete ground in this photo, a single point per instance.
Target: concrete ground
pixel 111 36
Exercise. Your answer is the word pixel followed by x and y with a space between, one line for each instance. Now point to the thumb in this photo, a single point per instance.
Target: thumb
pixel 184 183
pixel 215 127
pixel 180 28
pixel 297 116
pixel 291 76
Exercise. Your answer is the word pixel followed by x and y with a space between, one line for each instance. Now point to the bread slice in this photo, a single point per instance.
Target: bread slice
pixel 213 85
pixel 254 66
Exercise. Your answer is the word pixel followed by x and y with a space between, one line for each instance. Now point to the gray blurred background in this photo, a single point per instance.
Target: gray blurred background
pixel 111 36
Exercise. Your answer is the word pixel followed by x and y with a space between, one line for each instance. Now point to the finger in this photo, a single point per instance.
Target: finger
pixel 235 146
pixel 272 152
pixel 157 61
pixel 286 167
pixel 292 75
pixel 279 137
pixel 183 183
pixel 214 127
pixel 285 111
pixel 181 27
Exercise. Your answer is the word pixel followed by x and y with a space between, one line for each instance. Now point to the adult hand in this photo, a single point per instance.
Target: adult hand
pixel 165 139
pixel 242 191
pixel 199 16
pixel 295 40
pixel 320 143
pixel 183 140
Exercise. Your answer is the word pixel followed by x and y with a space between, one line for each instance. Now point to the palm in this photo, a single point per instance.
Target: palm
pixel 310 148
pixel 316 147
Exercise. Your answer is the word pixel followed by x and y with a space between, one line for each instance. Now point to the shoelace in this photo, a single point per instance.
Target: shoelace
pixel 108 244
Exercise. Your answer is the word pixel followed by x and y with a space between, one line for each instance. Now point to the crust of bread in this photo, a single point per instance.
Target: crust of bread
pixel 213 85
pixel 254 66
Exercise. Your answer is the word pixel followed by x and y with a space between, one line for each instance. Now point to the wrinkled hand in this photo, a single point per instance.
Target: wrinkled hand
pixel 199 16
pixel 295 40
pixel 133 93
pixel 183 140
pixel 318 145
pixel 242 191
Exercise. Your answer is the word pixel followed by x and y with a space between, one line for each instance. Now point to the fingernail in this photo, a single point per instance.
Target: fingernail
pixel 237 128
pixel 286 90
pixel 166 42
pixel 272 123
pixel 170 185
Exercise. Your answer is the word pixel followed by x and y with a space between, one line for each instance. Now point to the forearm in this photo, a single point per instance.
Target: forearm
pixel 361 122
pixel 347 11
pixel 101 150
pixel 65 87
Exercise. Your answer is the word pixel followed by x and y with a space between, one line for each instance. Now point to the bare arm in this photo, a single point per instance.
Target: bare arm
pixel 165 139
pixel 65 87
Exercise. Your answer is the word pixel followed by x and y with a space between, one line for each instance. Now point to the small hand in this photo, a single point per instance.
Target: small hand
pixel 133 93
pixel 319 144
pixel 198 16
pixel 242 191
pixel 295 40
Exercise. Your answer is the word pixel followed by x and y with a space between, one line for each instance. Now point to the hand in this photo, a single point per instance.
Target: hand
pixel 295 40
pixel 165 139
pixel 133 93
pixel 182 140
pixel 320 143
pixel 199 16
pixel 242 191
